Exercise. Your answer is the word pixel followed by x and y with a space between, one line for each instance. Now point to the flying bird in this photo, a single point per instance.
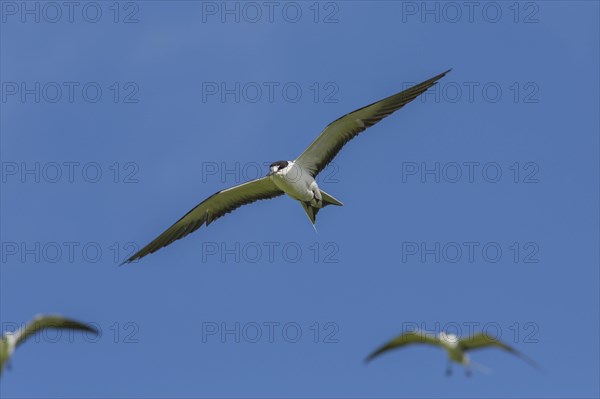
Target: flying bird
pixel 295 178
pixel 456 347
pixel 11 340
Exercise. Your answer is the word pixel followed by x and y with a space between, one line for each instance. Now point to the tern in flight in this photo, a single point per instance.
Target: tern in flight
pixel 455 347
pixel 11 340
pixel 295 178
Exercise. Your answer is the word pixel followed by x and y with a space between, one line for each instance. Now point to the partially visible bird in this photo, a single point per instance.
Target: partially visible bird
pixel 456 347
pixel 11 340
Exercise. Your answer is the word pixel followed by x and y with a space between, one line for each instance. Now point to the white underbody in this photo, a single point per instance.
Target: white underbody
pixel 458 356
pixel 451 343
pixel 298 184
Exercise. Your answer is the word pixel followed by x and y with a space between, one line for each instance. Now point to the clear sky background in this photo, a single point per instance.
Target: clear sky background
pixel 522 100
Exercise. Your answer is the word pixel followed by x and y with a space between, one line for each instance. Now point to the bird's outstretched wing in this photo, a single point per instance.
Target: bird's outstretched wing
pixel 43 322
pixel 331 140
pixel 210 210
pixel 408 338
pixel 483 340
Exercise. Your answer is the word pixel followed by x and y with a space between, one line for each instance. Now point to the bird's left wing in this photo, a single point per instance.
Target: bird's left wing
pixel 483 340
pixel 410 337
pixel 339 132
pixel 42 322
pixel 210 210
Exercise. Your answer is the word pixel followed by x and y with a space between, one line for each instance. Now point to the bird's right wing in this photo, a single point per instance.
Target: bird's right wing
pixel 43 322
pixel 210 210
pixel 483 340
pixel 331 140
pixel 411 337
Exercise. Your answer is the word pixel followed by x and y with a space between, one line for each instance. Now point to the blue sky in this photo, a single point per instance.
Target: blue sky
pixel 474 207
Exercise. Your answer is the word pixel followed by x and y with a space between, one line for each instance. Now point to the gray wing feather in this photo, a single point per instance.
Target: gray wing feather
pixel 209 210
pixel 408 338
pixel 42 322
pixel 326 146
pixel 482 340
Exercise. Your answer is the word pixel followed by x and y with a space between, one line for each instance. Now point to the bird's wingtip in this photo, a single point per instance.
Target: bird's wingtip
pixel 535 365
pixel 371 356
pixel 441 75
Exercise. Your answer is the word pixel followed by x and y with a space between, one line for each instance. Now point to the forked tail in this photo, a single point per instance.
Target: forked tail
pixel 312 211
pixel 329 200
pixel 479 367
